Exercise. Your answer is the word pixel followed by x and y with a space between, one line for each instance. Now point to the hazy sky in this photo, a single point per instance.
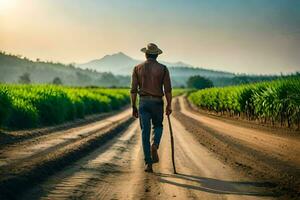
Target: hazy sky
pixel 251 36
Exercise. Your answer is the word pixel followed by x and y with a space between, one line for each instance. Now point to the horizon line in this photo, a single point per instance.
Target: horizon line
pixel 75 64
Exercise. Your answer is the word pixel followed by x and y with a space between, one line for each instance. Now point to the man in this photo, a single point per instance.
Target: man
pixel 151 80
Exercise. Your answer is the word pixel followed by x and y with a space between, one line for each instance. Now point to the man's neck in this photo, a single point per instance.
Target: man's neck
pixel 151 59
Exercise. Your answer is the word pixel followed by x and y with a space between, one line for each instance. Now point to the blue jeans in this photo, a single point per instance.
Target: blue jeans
pixel 150 110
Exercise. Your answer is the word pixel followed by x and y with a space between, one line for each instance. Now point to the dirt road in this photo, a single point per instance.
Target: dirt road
pixel 114 169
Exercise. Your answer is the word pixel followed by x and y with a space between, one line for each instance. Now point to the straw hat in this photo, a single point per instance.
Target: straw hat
pixel 151 49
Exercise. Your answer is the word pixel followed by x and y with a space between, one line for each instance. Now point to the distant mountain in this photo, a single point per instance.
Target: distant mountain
pixel 112 70
pixel 120 64
pixel 13 67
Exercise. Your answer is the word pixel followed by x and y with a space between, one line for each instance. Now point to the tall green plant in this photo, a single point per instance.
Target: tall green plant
pixel 275 101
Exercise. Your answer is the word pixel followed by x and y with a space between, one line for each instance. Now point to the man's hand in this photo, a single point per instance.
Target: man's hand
pixel 168 110
pixel 135 112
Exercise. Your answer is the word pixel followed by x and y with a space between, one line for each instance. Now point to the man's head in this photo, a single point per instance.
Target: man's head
pixel 151 51
pixel 151 56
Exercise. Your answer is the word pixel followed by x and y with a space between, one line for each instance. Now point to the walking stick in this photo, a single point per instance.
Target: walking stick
pixel 172 145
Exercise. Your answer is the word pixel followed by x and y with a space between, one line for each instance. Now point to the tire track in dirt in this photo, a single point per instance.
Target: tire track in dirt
pixel 114 171
pixel 16 179
pixel 201 175
pixel 81 180
pixel 16 137
pixel 13 155
pixel 283 148
pixel 255 160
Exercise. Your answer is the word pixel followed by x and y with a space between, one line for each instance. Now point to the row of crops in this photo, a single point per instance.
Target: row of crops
pixel 275 102
pixel 26 106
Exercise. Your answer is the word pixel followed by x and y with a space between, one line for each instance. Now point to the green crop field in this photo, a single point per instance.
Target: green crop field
pixel 269 102
pixel 27 106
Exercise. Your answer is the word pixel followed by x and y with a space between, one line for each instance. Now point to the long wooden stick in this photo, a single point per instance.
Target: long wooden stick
pixel 172 145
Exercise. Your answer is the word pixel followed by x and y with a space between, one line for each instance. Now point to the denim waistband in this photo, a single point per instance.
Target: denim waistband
pixel 151 97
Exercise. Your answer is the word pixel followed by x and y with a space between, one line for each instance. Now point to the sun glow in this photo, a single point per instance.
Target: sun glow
pixel 6 4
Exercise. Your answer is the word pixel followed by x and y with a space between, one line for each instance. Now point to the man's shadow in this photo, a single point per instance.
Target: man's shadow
pixel 219 186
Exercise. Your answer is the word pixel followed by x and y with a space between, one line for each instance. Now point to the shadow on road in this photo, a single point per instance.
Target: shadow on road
pixel 219 186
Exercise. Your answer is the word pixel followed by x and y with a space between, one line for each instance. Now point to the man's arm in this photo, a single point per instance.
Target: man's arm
pixel 133 99
pixel 168 92
pixel 169 103
pixel 133 91
pixel 133 104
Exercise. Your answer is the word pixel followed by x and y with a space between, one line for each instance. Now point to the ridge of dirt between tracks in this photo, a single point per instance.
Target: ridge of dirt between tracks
pixel 19 181
pixel 11 137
